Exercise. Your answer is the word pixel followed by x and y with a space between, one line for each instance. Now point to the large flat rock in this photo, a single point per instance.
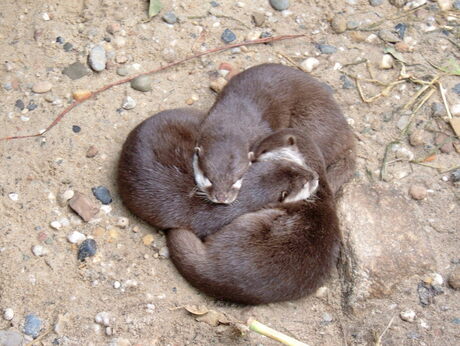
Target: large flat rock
pixel 384 242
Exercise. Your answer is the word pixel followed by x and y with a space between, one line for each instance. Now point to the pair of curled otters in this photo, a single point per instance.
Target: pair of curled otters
pixel 245 192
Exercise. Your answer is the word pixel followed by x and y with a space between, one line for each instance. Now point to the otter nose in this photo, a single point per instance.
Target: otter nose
pixel 222 197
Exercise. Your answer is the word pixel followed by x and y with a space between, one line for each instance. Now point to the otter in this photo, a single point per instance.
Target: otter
pixel 255 103
pixel 282 252
pixel 155 177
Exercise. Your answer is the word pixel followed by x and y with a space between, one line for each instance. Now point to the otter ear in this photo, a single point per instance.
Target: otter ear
pixel 291 140
pixel 251 156
pixel 197 150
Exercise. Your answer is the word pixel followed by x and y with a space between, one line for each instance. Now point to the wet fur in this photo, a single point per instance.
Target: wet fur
pixel 155 177
pixel 280 253
pixel 269 97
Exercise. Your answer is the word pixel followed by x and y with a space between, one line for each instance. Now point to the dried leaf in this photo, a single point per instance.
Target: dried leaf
pixel 395 54
pixel 154 8
pixel 213 318
pixel 196 309
pixel 455 123
pixel 430 158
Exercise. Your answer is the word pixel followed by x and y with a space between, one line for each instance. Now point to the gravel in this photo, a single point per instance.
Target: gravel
pixel 170 18
pixel 32 325
pixel 228 36
pixel 76 71
pixel 280 5
pixel 326 48
pixel 42 87
pixel 87 249
pixel 102 194
pixel 142 83
pixel 97 58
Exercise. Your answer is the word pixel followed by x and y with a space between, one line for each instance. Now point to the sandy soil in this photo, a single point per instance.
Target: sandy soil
pixel 145 310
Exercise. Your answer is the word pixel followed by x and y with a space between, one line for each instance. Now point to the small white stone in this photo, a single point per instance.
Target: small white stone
pixel 45 16
pixel 424 324
pixel 436 279
pixel 13 196
pixel 39 250
pixel 240 4
pixel 116 284
pixel 445 5
pixel 309 64
pixel 413 4
pixel 55 224
pixel 106 208
pixel 103 318
pixel 123 222
pixel 387 62
pixel 76 237
pixel 128 103
pixel 64 222
pixel 8 314
pixel 455 110
pixel 321 292
pixel 64 197
pixel 408 315
pixel 164 252
pixel 252 35
pixel 108 331
pixel 372 38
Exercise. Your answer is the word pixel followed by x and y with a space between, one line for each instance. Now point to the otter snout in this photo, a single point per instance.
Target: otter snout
pixel 224 197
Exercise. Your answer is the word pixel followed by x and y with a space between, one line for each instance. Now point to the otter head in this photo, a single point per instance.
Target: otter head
pixel 282 147
pixel 219 167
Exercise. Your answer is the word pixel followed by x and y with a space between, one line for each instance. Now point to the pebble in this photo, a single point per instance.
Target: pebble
pixel 121 58
pixel 86 249
pixel 170 17
pixel 112 28
pixel 102 194
pixel 76 71
pixel 457 5
pixel 375 2
pixel 387 62
pixel 92 152
pixel 19 104
pixel 80 94
pixel 32 105
pixel 402 47
pixel 454 278
pixel 398 3
pixel 456 89
pixel 8 86
pixel 119 42
pixel 76 237
pixel 32 325
pixel 39 250
pixel 401 30
pixel 416 138
pixel 352 25
pixel 426 293
pixel 444 142
pixel 258 18
pixel 403 153
pixel 13 196
pixel 321 292
pixel 214 4
pixel 60 40
pixel 67 47
pixel 408 315
pixel 347 82
pixel 309 64
pixel 8 314
pixel 142 83
pixel 164 252
pixel 116 284
pixel 280 5
pixel 103 318
pixel 339 24
pixel 11 338
pixel 169 54
pixel 455 110
pixel 228 36
pixel 455 176
pixel 437 109
pixel 252 35
pixel 42 87
pixel 63 197
pixel 418 192
pixel 218 84
pixel 55 224
pixel 128 103
pixel 97 58
pixel 83 206
pixel 76 128
pixel 434 279
pixel 147 240
pixel 326 48
pixel 388 36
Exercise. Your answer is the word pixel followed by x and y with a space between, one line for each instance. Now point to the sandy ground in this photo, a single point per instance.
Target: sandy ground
pixel 139 289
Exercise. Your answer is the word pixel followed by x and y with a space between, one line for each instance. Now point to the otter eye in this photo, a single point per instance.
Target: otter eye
pixel 197 150
pixel 237 184
pixel 283 196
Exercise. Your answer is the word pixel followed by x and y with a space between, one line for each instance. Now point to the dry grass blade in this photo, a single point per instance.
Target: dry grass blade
pixel 378 341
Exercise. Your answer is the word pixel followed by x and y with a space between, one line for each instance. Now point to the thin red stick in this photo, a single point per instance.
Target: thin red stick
pixel 129 79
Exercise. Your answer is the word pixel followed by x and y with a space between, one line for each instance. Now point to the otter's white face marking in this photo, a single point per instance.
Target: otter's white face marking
pixel 285 153
pixel 200 179
pixel 238 184
pixel 307 190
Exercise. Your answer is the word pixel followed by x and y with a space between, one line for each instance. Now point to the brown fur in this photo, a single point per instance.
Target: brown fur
pixel 262 99
pixel 155 177
pixel 275 254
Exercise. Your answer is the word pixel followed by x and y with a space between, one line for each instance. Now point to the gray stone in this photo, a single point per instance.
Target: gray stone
pixel 375 2
pixel 76 71
pixel 403 121
pixel 170 17
pixel 326 48
pixel 97 58
pixel 280 5
pixel 228 36
pixel 398 3
pixel 11 338
pixel 388 36
pixel 347 82
pixel 384 243
pixel 352 25
pixel 457 4
pixel 437 109
pixel 68 46
pixel 88 248
pixel 32 325
pixel 456 89
pixel 142 83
